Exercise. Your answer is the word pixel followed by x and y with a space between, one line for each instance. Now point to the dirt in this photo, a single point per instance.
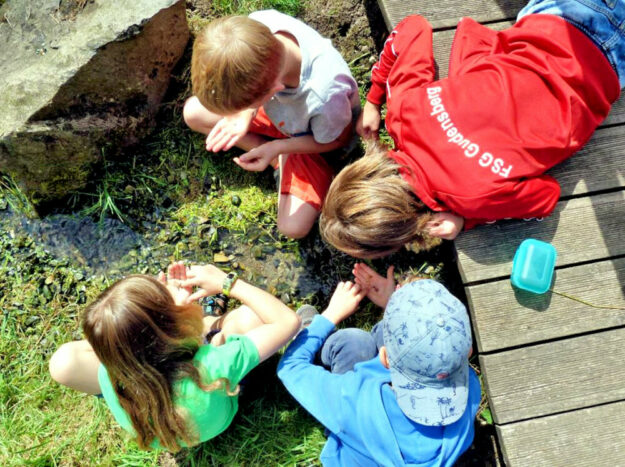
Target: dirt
pixel 358 31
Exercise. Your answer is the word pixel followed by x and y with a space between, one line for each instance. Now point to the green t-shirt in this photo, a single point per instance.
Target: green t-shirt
pixel 209 412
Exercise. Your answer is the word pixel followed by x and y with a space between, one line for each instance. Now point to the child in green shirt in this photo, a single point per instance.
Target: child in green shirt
pixel 146 354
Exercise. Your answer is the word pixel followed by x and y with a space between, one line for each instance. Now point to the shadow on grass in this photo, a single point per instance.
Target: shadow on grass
pixel 269 428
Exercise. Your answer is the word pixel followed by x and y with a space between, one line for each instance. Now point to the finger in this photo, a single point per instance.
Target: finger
pixel 360 269
pixel 368 269
pixel 190 282
pixel 242 164
pixel 193 271
pixel 389 273
pixel 220 141
pixel 231 142
pixel 252 166
pixel 213 136
pixel 162 277
pixel 175 271
pixel 201 293
pixel 183 270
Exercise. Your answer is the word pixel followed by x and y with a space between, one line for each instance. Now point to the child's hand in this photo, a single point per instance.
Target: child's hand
pixel 257 159
pixel 378 289
pixel 445 225
pixel 208 278
pixel 344 302
pixel 176 275
pixel 368 122
pixel 229 130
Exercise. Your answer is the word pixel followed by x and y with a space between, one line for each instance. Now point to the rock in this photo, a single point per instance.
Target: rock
pixel 220 258
pixel 76 75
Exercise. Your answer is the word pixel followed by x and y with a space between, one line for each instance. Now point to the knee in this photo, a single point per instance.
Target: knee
pixel 62 364
pixel 194 114
pixel 293 227
pixel 346 347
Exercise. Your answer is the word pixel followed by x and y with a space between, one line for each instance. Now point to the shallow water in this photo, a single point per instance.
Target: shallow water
pixel 113 249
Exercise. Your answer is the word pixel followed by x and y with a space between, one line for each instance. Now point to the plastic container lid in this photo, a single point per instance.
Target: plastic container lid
pixel 533 264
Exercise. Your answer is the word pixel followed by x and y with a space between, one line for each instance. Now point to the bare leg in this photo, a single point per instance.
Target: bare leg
pixel 295 216
pixel 202 120
pixel 238 321
pixel 75 365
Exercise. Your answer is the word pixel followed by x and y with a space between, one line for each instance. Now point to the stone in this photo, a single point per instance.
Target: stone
pixel 78 75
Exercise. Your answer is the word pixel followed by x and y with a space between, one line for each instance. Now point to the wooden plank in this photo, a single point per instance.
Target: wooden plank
pixel 555 377
pixel 587 437
pixel 600 165
pixel 442 49
pixel 506 317
pixel 447 14
pixel 581 229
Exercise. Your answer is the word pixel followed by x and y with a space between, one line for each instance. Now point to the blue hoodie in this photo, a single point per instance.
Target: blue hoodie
pixel 359 409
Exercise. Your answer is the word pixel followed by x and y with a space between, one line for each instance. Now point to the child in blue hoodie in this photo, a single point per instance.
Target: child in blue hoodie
pixel 412 397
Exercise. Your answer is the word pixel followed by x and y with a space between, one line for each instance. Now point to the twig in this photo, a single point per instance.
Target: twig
pixel 603 307
pixel 366 54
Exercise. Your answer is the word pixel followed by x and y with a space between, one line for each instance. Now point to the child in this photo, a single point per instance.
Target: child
pixel 272 86
pixel 415 402
pixel 474 147
pixel 145 353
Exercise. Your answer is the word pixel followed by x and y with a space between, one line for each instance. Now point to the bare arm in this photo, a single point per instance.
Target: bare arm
pixel 259 158
pixel 280 323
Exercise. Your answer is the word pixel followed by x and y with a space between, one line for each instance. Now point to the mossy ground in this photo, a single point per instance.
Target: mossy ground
pixel 175 202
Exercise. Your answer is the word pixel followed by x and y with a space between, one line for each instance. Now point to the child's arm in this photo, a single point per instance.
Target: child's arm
pixel 315 388
pixel 229 130
pixel 368 123
pixel 280 323
pixel 412 41
pixel 378 289
pixel 258 159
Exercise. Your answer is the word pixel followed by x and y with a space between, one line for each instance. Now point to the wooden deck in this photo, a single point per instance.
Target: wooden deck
pixel 554 368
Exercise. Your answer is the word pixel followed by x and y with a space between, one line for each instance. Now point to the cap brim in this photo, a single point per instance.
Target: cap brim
pixel 437 403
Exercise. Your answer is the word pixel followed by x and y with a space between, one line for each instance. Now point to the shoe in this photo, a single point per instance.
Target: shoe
pixel 307 313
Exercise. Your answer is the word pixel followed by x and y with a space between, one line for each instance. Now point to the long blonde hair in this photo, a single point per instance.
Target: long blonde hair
pixel 235 62
pixel 370 211
pixel 146 342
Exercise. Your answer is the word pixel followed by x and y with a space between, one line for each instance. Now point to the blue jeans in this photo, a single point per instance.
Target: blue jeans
pixel 603 21
pixel 346 347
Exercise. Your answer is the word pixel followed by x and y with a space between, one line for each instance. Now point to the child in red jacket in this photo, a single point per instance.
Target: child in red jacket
pixel 473 147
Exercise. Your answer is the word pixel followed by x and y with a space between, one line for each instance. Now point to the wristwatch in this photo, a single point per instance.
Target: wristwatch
pixel 229 281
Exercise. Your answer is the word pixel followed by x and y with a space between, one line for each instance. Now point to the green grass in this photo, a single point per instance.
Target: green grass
pixel 180 199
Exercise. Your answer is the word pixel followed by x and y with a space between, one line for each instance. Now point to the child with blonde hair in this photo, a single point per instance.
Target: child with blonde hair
pixel 272 86
pixel 473 148
pixel 169 376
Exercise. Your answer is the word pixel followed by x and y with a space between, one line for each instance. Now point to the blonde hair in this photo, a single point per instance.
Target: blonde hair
pixel 235 62
pixel 146 342
pixel 370 211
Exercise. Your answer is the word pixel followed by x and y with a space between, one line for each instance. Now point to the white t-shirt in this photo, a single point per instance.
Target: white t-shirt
pixel 326 100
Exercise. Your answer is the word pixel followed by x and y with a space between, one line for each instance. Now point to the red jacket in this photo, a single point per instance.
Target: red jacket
pixel 516 103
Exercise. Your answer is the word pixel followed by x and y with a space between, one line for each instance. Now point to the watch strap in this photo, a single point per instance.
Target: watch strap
pixel 229 281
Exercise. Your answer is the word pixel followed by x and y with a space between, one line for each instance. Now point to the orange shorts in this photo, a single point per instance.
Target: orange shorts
pixel 305 176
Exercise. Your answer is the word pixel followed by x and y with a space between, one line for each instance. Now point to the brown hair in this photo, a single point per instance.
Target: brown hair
pixel 146 342
pixel 370 211
pixel 235 62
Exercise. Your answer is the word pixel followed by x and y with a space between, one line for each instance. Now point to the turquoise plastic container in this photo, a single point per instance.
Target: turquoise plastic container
pixel 533 264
